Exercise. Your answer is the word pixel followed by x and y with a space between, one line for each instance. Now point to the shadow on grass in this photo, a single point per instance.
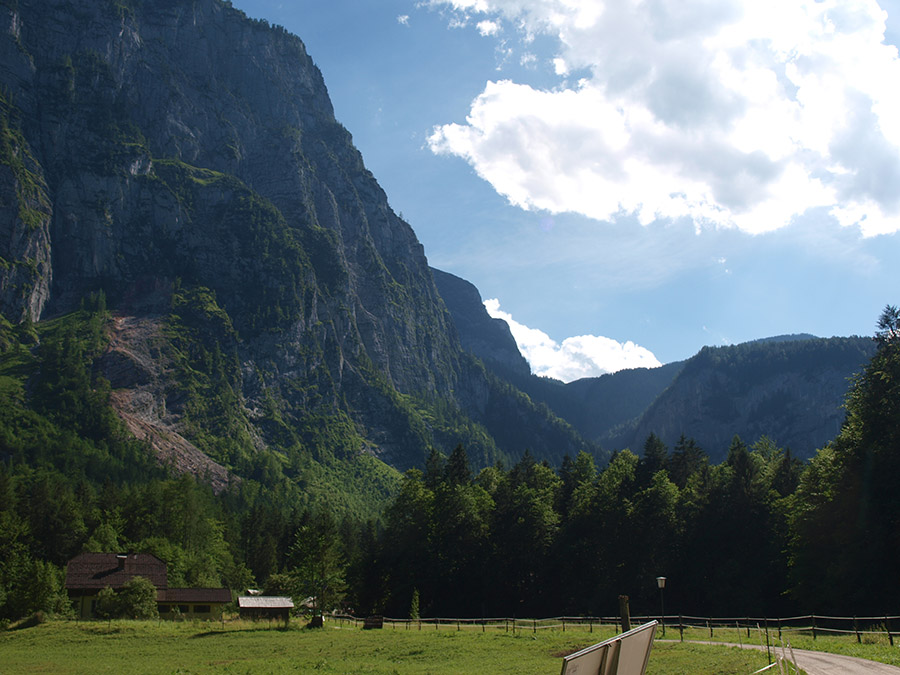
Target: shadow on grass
pixel 213 633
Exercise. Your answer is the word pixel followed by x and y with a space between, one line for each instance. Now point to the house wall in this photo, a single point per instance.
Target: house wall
pixel 265 613
pixel 190 610
pixel 84 606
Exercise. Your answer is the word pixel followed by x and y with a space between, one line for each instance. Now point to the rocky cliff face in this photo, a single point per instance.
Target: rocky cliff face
pixel 487 338
pixel 25 214
pixel 186 161
pixel 157 121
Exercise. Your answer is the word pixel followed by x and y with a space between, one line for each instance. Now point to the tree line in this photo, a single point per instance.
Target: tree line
pixel 758 534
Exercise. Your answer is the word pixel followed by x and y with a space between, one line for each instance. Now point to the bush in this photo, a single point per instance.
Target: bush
pixel 137 599
pixel 107 604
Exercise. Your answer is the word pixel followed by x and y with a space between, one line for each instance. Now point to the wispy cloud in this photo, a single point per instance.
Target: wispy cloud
pixel 735 113
pixel 403 19
pixel 575 357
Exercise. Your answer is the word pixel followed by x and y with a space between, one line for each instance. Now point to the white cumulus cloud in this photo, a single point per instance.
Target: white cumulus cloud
pixel 575 357
pixel 734 113
pixel 487 28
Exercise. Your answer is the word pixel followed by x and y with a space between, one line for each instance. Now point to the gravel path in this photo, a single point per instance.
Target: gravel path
pixel 821 663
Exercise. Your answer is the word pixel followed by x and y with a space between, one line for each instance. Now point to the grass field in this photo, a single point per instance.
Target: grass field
pixel 163 647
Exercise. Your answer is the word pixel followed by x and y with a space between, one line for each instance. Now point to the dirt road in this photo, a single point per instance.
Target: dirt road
pixel 820 663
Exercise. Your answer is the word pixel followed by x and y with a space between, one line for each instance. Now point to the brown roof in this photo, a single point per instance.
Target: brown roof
pixel 205 595
pixel 99 570
pixel 265 601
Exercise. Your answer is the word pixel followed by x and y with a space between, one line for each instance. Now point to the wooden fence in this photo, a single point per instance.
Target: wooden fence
pixel 687 627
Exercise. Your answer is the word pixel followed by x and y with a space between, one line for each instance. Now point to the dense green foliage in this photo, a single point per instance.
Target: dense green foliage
pixel 846 515
pixel 533 541
pixel 136 600
pixel 758 534
pixel 73 479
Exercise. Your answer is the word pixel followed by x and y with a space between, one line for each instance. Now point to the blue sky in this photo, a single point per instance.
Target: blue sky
pixel 628 181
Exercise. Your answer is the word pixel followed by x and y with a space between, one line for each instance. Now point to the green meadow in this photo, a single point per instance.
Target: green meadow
pixel 134 647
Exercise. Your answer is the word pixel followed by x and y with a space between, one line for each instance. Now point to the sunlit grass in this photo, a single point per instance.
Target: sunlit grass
pixel 238 647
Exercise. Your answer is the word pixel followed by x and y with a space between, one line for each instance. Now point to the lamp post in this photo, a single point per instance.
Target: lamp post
pixel 661 582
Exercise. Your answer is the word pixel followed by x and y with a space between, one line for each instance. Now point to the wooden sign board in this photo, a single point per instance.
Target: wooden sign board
pixel 625 654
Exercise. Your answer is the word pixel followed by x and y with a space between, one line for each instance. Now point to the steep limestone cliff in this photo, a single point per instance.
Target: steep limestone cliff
pixel 186 161
pixel 487 338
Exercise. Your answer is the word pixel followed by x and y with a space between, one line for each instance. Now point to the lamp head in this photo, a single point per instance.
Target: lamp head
pixel 661 582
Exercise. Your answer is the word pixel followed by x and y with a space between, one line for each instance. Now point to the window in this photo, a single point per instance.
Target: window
pixel 201 609
pixel 163 609
pixel 184 609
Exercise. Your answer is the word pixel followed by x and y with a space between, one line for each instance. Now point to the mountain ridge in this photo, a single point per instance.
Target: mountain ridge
pixel 791 387
pixel 184 161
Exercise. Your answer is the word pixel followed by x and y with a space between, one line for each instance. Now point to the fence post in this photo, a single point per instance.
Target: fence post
pixel 779 629
pixel 534 626
pixel 709 626
pixel 814 626
pixel 748 627
pixel 738 626
pixel 856 630
pixel 887 626
pixel 625 613
pixel 591 625
pixel 767 641
pixel 681 626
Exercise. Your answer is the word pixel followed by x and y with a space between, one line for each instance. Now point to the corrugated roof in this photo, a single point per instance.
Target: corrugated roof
pixel 210 595
pixel 99 570
pixel 265 602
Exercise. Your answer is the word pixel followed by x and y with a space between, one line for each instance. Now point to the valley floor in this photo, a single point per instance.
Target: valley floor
pixel 238 647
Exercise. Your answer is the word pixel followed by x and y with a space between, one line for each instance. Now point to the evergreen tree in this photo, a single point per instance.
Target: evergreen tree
pixel 846 512
pixel 457 470
pixel 652 460
pixel 317 564
pixel 414 606
pixel 687 458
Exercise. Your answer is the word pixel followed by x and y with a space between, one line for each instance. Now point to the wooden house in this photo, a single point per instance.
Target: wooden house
pixel 88 573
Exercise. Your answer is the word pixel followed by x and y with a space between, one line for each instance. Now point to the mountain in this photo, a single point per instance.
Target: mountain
pixel 179 166
pixel 791 391
pixel 790 388
pixel 488 338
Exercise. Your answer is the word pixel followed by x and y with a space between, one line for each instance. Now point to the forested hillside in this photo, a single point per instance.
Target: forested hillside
pixel 220 345
pixel 791 391
pixel 758 534
pixel 789 388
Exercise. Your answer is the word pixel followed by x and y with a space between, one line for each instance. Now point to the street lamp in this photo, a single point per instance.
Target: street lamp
pixel 661 582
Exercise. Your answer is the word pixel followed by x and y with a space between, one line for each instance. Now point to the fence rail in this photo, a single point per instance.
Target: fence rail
pixel 810 624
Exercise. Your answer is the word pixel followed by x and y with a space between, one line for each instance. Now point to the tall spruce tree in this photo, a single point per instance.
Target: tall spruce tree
pixel 846 513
